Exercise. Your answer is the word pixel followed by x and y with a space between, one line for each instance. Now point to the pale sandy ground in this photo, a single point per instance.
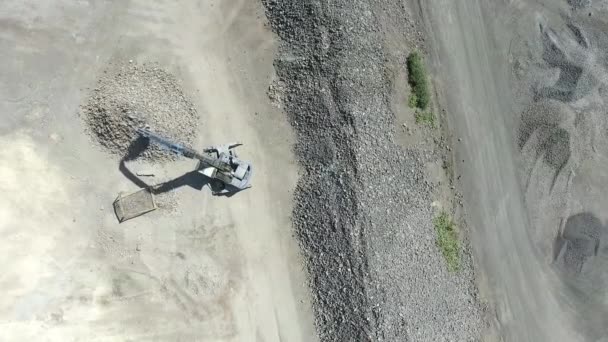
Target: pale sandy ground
pixel 214 269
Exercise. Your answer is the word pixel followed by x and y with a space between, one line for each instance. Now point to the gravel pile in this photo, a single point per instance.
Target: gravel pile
pixel 129 96
pixel 362 205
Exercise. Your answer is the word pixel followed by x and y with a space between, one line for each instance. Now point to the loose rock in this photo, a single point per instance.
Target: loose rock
pixel 129 96
pixel 361 205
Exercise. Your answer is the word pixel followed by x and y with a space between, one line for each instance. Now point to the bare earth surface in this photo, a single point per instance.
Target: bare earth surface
pixel 197 269
pixel 523 84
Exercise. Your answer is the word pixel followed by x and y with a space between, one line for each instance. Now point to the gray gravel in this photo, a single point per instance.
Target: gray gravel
pixel 128 96
pixel 363 207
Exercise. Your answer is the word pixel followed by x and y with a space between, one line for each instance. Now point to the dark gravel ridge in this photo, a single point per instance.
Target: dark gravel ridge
pixel 362 205
pixel 325 214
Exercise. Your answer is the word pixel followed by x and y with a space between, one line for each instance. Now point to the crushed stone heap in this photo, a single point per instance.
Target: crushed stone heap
pixel 128 96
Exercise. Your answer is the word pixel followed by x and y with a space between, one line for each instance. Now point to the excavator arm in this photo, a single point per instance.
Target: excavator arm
pixel 182 150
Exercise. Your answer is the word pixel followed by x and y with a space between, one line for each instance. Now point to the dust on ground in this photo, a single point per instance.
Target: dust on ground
pixel 38 193
pixel 216 269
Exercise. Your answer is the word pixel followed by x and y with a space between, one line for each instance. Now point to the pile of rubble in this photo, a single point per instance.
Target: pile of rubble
pixel 128 96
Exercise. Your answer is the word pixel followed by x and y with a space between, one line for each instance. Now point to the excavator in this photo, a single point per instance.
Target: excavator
pixel 227 173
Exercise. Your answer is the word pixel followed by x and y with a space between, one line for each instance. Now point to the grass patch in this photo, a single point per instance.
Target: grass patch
pixel 417 79
pixel 447 240
pixel 425 118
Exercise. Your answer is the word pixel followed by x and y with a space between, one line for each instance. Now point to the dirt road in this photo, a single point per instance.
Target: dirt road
pixel 471 61
pixel 199 268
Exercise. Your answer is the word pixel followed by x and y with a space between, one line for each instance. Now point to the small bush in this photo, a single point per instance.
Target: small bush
pixel 426 118
pixel 447 241
pixel 412 101
pixel 418 80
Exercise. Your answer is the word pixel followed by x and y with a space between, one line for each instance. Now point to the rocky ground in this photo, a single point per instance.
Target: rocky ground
pixel 363 211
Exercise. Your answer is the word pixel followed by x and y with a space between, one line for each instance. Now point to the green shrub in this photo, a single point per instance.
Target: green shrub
pixel 447 241
pixel 426 118
pixel 417 79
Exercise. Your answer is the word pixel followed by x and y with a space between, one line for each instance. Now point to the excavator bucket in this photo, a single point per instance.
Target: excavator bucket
pixel 134 204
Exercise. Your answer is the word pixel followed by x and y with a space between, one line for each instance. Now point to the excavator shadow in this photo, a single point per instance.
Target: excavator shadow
pixel 193 178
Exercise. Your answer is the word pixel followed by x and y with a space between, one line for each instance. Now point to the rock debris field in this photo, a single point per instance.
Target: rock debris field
pixel 362 212
pixel 129 96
